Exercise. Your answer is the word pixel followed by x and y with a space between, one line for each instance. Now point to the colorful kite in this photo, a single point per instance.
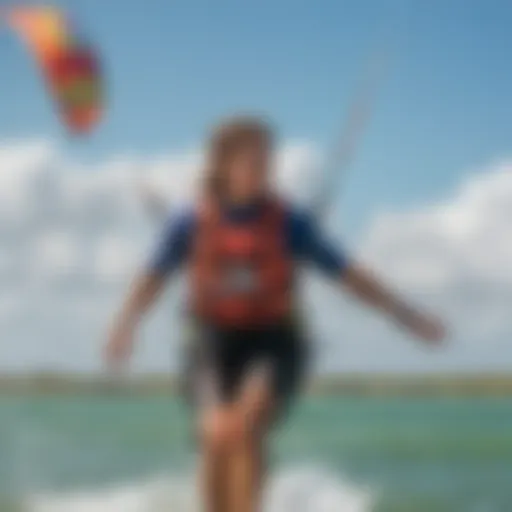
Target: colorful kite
pixel 68 63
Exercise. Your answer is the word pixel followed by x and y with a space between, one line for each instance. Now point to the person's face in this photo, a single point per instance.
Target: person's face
pixel 247 172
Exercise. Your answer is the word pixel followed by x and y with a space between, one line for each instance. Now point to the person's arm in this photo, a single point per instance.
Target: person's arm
pixel 171 251
pixel 366 287
pixel 363 284
pixel 142 295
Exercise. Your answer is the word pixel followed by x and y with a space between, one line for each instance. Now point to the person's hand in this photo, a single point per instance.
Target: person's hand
pixel 426 327
pixel 119 346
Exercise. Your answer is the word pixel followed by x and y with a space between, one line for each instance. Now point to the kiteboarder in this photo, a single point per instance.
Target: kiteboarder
pixel 242 245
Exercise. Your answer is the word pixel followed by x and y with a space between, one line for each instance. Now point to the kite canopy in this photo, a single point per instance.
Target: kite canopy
pixel 69 65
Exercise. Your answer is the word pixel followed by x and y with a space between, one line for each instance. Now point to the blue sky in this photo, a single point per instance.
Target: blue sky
pixel 71 235
pixel 174 67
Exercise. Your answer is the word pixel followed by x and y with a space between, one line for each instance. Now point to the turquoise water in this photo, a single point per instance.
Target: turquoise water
pixel 410 454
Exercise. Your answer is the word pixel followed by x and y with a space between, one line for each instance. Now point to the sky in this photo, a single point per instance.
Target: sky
pixel 426 200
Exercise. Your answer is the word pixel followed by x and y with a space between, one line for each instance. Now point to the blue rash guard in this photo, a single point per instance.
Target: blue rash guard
pixel 303 240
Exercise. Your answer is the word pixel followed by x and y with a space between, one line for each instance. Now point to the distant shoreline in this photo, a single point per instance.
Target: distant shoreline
pixel 463 385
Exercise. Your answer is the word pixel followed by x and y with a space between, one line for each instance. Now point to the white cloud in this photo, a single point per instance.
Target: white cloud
pixel 115 258
pixel 71 235
pixel 299 167
pixel 19 164
pixel 457 257
pixel 57 253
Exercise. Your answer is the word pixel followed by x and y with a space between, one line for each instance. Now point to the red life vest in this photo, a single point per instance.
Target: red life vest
pixel 241 274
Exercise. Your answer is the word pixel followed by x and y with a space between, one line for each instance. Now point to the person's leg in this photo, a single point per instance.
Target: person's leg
pixel 250 418
pixel 215 433
pixel 237 415
pixel 206 379
pixel 232 445
pixel 229 417
pixel 264 394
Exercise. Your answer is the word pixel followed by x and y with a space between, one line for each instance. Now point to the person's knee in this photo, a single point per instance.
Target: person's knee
pixel 218 429
pixel 252 423
pixel 230 428
pixel 256 408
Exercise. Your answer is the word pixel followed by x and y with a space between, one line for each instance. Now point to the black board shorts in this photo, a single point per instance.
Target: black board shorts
pixel 217 360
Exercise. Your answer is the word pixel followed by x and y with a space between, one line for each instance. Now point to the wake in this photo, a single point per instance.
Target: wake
pixel 307 489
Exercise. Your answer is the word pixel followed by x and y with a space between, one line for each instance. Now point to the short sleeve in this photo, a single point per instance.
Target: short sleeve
pixel 308 243
pixel 173 246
